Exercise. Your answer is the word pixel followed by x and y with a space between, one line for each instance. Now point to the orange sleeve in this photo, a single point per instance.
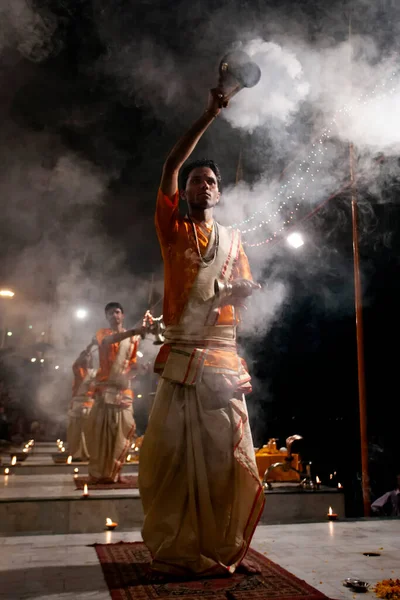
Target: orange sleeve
pixel 133 358
pixel 166 219
pixel 101 334
pixel 241 270
pixel 76 369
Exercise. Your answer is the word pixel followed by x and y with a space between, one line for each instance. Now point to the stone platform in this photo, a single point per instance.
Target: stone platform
pixel 66 567
pixel 39 497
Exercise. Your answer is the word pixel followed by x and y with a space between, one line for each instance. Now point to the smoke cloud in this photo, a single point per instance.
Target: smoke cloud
pixel 86 127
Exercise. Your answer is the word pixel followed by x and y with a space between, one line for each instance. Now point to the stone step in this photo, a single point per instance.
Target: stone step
pixel 40 504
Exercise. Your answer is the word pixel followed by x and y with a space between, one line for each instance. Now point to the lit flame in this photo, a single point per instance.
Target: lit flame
pixel 317 479
pixel 85 490
pixel 6 471
pixel 331 476
pixel 58 441
pixel 339 485
pixel 14 460
pixel 63 449
pixel 108 521
pixel 76 470
pixel 128 458
pixel 25 450
pixel 330 511
pixel 69 460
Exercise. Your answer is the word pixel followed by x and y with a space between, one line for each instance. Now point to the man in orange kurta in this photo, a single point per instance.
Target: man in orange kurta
pixel 198 480
pixel 111 427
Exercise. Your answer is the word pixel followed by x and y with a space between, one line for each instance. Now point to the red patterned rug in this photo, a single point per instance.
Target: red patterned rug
pixel 130 483
pixel 126 565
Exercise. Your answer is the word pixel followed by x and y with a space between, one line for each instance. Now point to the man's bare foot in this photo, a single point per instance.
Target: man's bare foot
pixel 123 480
pixel 159 577
pixel 248 566
pixel 92 480
pixel 105 480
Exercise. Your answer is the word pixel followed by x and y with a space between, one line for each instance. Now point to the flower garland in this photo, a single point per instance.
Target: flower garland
pixel 388 588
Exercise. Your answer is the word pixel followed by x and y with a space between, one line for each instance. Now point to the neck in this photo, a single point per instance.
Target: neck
pixel 117 328
pixel 201 215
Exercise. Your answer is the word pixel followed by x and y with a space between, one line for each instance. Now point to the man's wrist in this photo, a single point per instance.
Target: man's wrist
pixel 211 113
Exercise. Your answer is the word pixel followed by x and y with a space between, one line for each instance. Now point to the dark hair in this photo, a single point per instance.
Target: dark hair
pixel 112 305
pixel 203 162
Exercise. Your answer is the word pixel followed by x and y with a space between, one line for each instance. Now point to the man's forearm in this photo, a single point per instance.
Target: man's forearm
pixel 83 355
pixel 188 142
pixel 115 338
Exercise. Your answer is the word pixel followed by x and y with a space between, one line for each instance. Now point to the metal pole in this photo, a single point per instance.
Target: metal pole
pixel 360 343
pixel 362 401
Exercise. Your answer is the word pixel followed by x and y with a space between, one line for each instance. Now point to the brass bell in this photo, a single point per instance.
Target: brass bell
pixel 222 289
pixel 157 330
pixel 155 326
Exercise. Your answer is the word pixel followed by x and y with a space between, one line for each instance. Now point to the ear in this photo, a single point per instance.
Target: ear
pixel 182 194
pixel 218 197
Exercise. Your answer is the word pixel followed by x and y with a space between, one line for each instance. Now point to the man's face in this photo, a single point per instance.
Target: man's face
pixel 115 317
pixel 202 188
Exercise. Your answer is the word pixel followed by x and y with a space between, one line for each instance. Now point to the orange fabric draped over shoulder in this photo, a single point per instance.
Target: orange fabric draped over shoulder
pixel 108 354
pixel 178 248
pixel 181 265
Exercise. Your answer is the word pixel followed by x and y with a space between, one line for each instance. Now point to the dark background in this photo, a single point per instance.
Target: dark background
pixel 70 92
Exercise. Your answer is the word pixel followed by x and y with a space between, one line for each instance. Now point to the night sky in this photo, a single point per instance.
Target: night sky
pixel 113 85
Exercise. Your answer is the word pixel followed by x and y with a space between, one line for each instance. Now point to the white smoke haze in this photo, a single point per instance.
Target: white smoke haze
pixel 144 71
pixel 278 94
pixel 263 308
pixel 69 262
pixel 54 196
pixel 32 33
pixel 373 124
pixel 349 86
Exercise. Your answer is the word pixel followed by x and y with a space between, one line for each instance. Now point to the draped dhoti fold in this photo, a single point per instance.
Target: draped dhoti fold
pixel 109 433
pixel 198 479
pixel 76 441
pixel 78 413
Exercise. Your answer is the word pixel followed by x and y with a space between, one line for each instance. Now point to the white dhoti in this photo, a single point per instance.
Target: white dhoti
pixel 110 428
pixel 110 431
pixel 76 441
pixel 198 480
pixel 77 416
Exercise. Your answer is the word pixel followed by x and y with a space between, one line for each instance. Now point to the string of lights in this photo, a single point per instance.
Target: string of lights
pixel 299 184
pixel 277 239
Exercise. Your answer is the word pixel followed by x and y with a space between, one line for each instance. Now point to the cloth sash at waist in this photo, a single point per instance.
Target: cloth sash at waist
pixel 111 393
pixel 208 352
pixel 207 336
pixel 79 404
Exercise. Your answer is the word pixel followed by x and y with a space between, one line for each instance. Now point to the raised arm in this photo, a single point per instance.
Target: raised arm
pixel 80 361
pixel 115 338
pixel 187 143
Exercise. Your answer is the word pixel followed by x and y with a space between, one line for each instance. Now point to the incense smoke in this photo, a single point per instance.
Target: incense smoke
pixel 71 112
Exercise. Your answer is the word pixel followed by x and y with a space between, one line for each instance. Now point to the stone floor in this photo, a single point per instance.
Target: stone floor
pixel 64 567
pixel 52 486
